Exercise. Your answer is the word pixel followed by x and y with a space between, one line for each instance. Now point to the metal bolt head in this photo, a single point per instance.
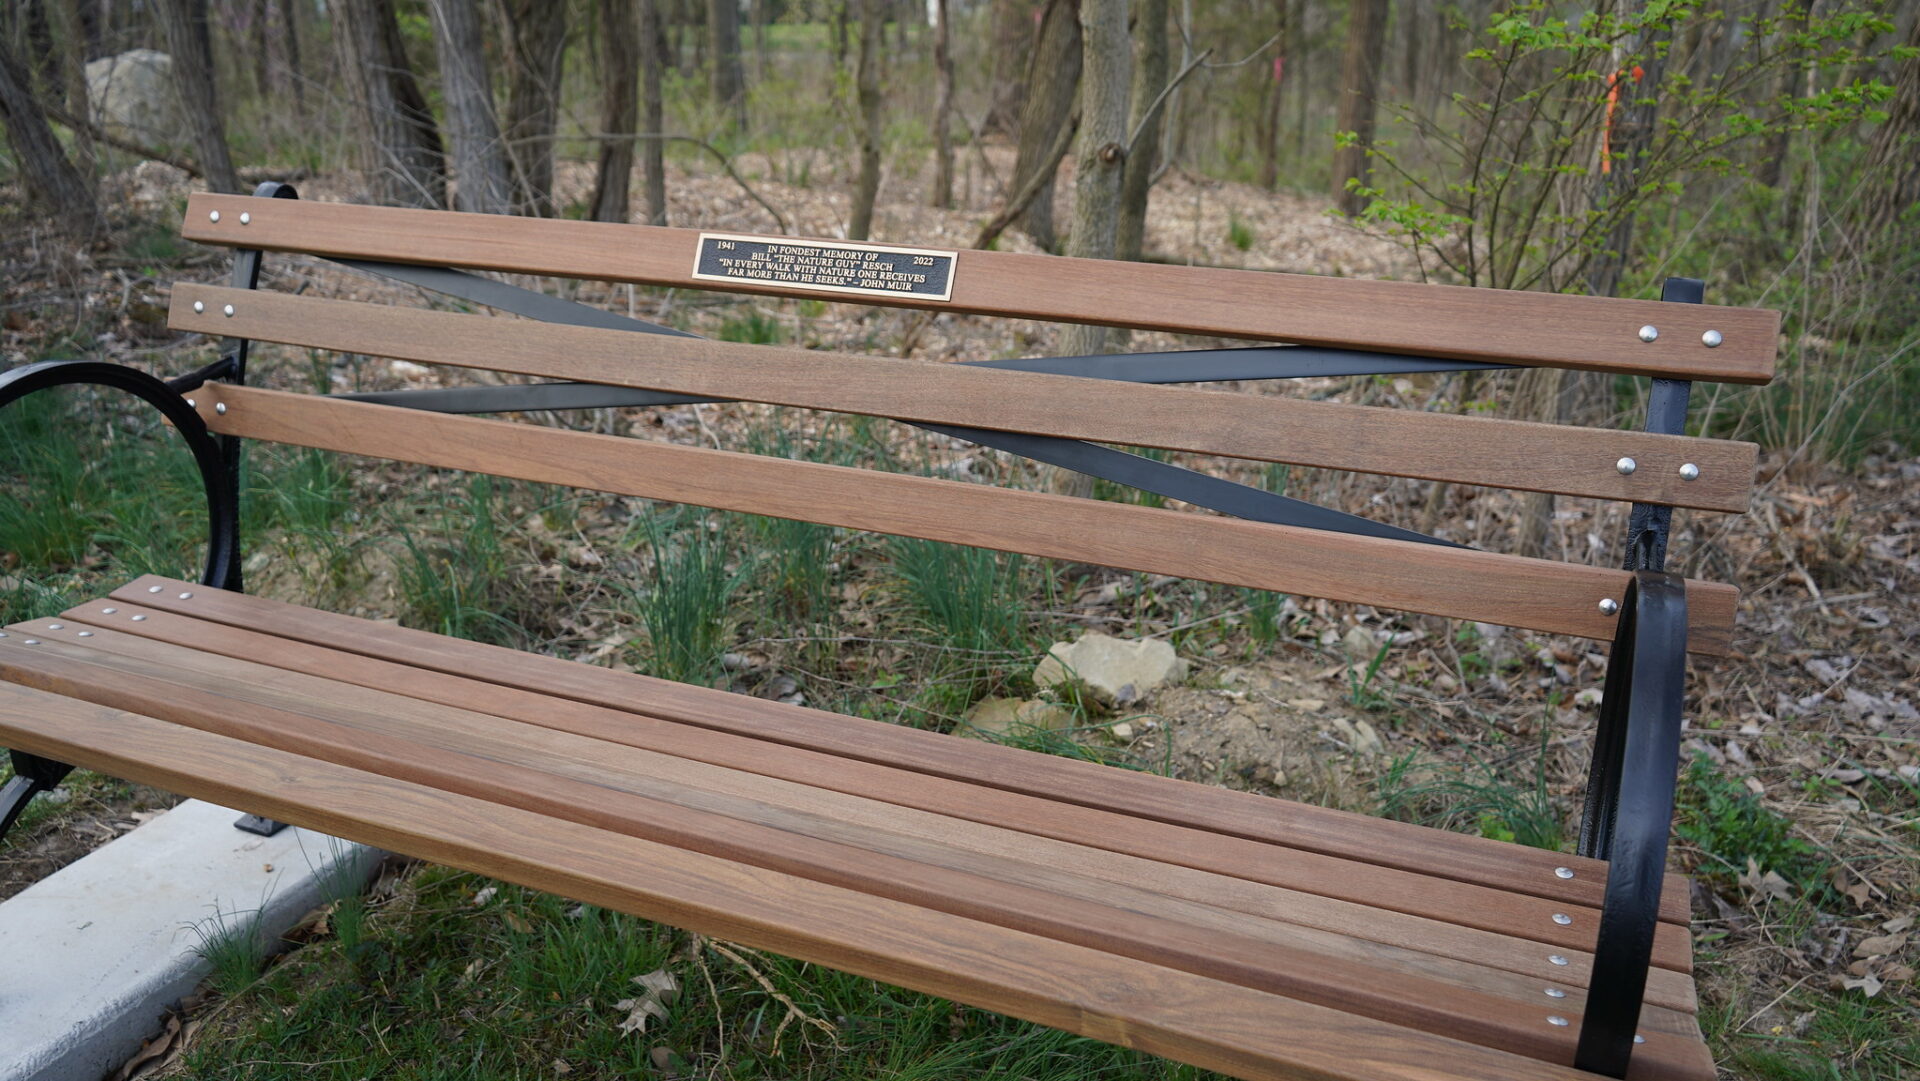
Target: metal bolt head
pixel 1711 339
pixel 1563 872
pixel 33 641
pixel 1689 471
pixel 140 619
pixel 1555 992
pixel 227 311
pixel 245 218
pixel 213 215
pixel 199 306
pixel 3 634
pixel 1639 1039
pixel 1626 466
pixel 108 611
pixel 1557 959
pixel 1557 1021
pixel 191 404
pixel 186 596
pixel 1562 918
pixel 56 626
pixel 155 589
pixel 1608 607
pixel 86 634
pixel 220 408
pixel 1649 332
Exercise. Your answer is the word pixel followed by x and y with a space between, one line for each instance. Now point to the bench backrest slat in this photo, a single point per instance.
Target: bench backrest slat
pixel 1539 329
pixel 1396 442
pixel 1544 595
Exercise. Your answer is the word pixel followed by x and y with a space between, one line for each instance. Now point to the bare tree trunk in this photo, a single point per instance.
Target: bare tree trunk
pixel 729 81
pixel 52 183
pixel 1893 159
pixel 287 55
pixel 536 41
pixel 71 28
pixel 260 53
pixel 867 78
pixel 406 165
pixel 479 160
pixel 185 24
pixel 1359 86
pixel 653 152
pixel 942 195
pixel 1053 80
pixel 1270 111
pixel 1012 30
pixel 841 13
pixel 619 108
pixel 1149 79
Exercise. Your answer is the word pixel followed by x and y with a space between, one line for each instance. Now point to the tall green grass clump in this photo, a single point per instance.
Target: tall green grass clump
pixel 684 604
pixel 972 597
pixel 454 579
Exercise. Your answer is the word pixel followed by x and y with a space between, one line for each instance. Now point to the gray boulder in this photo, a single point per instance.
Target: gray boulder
pixel 132 98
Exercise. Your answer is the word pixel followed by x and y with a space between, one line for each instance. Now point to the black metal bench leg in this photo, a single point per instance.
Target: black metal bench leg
pixel 32 775
pixel 1629 822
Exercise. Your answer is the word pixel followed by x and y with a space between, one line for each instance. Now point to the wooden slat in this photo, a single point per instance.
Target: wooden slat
pixel 845 800
pixel 1209 1023
pixel 591 782
pixel 833 741
pixel 243 710
pixel 1536 594
pixel 1395 442
pixel 1430 320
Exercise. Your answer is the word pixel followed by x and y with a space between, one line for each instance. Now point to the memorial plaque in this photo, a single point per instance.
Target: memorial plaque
pixel 872 270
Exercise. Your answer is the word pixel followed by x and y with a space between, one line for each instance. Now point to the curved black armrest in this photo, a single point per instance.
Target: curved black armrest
pixel 1630 809
pixel 215 473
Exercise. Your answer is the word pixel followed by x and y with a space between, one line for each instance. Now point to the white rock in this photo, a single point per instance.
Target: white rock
pixel 132 97
pixel 1117 672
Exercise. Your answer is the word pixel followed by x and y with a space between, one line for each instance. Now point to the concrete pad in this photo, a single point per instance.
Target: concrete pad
pixel 94 954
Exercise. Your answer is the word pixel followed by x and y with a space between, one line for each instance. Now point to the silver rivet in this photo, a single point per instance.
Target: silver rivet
pixel 1555 992
pixel 1556 959
pixel 1608 607
pixel 33 641
pixel 108 611
pixel 220 408
pixel 186 596
pixel 86 634
pixel 1649 332
pixel 199 306
pixel 1626 466
pixel 140 619
pixel 1556 1020
pixel 56 626
pixel 227 311
pixel 191 404
pixel 1562 918
pixel 1689 471
pixel 1639 1039
pixel 245 217
pixel 1712 338
pixel 155 589
pixel 213 216
pixel 1566 872
pixel 3 634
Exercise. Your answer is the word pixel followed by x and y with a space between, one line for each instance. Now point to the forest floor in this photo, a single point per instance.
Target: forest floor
pixel 1799 801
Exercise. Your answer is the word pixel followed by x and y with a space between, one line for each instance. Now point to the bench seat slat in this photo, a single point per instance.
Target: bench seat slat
pixel 1537 594
pixel 318 718
pixel 586 781
pixel 1214 1024
pixel 1141 796
pixel 853 813
pixel 1598 333
pixel 1395 442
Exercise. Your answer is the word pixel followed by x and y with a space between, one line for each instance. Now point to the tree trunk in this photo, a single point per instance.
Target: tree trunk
pixel 1012 30
pixel 729 81
pixel 942 195
pixel 1359 86
pixel 840 17
pixel 259 52
pixel 1149 79
pixel 867 79
pixel 71 26
pixel 1893 159
pixel 287 55
pixel 653 152
pixel 1270 111
pixel 479 160
pixel 52 183
pixel 536 41
pixel 619 108
pixel 1053 80
pixel 185 24
pixel 406 164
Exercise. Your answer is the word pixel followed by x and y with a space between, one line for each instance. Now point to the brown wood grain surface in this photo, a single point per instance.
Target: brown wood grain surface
pixel 1211 1023
pixel 1597 333
pixel 312 720
pixel 852 814
pixel 380 744
pixel 1395 442
pixel 1139 795
pixel 1560 598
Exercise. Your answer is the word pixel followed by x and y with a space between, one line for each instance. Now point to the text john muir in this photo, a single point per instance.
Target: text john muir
pixel 867 269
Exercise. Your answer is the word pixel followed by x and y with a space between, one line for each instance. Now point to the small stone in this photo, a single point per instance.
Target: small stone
pixel 1359 645
pixel 1116 671
pixel 1122 732
pixel 999 716
pixel 1360 737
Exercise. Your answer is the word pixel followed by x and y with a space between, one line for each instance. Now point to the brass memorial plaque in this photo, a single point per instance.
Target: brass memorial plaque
pixel 872 270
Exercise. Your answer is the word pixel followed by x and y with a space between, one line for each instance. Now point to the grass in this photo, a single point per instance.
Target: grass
pixel 684 606
pixel 1477 797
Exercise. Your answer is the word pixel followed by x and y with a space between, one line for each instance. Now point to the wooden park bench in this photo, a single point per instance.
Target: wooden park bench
pixel 1246 934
